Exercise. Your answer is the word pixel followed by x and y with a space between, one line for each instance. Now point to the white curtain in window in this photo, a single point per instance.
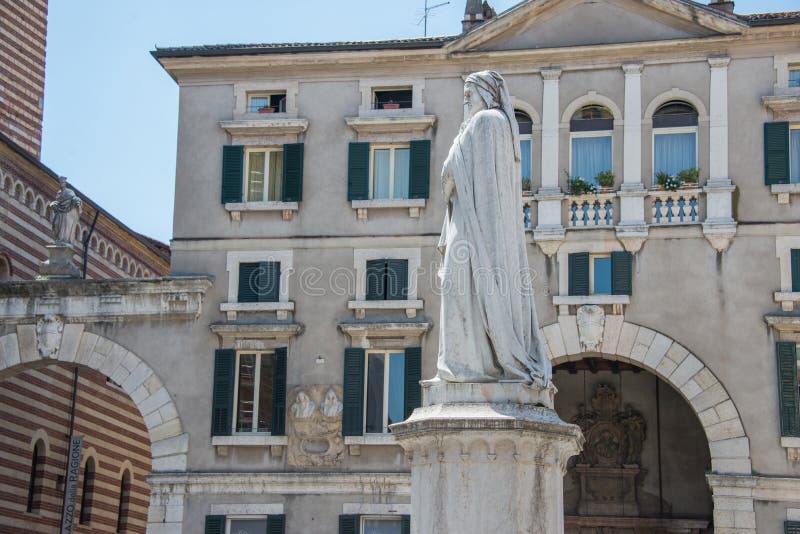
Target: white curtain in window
pixel 590 156
pixel 794 157
pixel 401 171
pixel 525 152
pixel 380 173
pixel 674 152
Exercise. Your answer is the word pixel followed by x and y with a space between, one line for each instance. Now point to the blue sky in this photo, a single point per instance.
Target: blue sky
pixel 110 117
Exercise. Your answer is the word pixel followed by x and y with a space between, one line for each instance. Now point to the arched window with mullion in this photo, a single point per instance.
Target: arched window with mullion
pixel 526 147
pixel 674 138
pixel 87 494
pixel 123 508
pixel 591 130
pixel 36 481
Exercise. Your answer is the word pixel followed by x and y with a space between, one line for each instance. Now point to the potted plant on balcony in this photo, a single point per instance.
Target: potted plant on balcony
pixel 527 184
pixel 577 186
pixel 689 177
pixel 266 109
pixel 606 181
pixel 391 104
pixel 667 182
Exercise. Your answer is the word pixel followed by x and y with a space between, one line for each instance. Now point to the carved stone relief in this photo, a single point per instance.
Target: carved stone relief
pixel 591 323
pixel 49 330
pixel 314 426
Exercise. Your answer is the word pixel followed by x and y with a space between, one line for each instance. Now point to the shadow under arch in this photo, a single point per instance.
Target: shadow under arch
pixel 169 444
pixel 659 354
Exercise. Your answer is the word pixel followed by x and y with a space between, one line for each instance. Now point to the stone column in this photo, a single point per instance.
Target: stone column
pixel 719 226
pixel 632 229
pixel 549 232
pixel 487 458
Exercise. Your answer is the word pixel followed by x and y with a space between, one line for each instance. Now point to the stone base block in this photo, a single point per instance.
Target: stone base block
pixel 59 263
pixel 487 458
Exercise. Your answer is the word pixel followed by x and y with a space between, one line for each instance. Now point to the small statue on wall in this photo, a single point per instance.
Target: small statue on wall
pixel 66 210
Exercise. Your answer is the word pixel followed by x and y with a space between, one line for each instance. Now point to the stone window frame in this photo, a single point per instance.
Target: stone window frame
pixel 783 251
pixel 386 380
pixel 260 353
pixel 783 64
pixel 392 146
pixel 243 90
pixel 360 304
pixel 564 300
pixel 282 308
pixel 266 150
pixel 246 509
pixel 373 511
pixel 368 86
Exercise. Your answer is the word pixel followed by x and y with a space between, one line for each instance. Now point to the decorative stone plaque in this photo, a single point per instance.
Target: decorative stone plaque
pixel 314 426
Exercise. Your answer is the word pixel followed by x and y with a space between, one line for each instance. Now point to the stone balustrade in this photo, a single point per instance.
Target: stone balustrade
pixel 675 207
pixel 591 211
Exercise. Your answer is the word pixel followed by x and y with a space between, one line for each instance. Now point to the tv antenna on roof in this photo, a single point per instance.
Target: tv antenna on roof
pixel 427 13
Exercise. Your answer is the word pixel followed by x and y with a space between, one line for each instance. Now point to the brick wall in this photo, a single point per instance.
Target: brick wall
pixel 23 36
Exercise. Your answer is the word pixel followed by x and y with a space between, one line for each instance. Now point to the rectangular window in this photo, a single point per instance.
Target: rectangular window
pixel 259 281
pixel 389 171
pixel 794 76
pixel 387 279
pixel 601 274
pixel 397 98
pixel 264 174
pixel 266 103
pixel 591 155
pixel 247 526
pixel 253 393
pixel 794 154
pixel 674 151
pixel 381 525
pixel 384 390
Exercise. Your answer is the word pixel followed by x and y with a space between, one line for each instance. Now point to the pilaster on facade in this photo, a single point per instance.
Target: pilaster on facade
pixel 549 232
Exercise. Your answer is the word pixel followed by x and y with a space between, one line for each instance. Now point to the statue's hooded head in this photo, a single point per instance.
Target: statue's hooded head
pixel 490 88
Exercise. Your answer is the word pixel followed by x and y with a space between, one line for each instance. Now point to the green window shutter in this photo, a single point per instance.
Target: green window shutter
pixel 222 397
pixel 413 391
pixel 376 279
pixel 349 524
pixel 249 282
pixel 293 172
pixel 353 397
pixel 795 270
pixel 276 524
pixel 279 393
pixel 579 273
pixel 232 173
pixel 776 153
pixel 405 524
pixel 420 169
pixel 621 273
pixel 358 172
pixel 269 281
pixel 787 388
pixel 791 527
pixel 215 524
pixel 396 279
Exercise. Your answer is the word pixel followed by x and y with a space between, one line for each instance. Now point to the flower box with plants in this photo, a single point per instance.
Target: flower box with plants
pixel 391 104
pixel 685 179
pixel 606 181
pixel 527 186
pixel 266 109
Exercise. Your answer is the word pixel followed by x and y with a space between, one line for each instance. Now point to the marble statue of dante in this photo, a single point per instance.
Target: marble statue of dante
pixel 489 330
pixel 66 212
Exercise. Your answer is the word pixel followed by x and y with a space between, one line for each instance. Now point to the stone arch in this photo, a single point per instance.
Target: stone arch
pixel 5 268
pixel 528 109
pixel 592 97
pixel 169 444
pixel 41 435
pixel 675 365
pixel 676 94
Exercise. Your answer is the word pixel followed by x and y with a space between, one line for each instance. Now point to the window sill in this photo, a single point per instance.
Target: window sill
pixel 782 103
pixel 382 121
pixel 617 302
pixel 271 126
pixel 787 299
pixel 229 333
pixel 233 308
pixel 275 443
pixel 360 307
pixel 414 206
pixel 287 208
pixel 354 443
pixel 792 446
pixel 784 191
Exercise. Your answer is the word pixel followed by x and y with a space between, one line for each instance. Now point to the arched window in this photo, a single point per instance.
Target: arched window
pixel 37 478
pixel 526 146
pixel 87 494
pixel 124 502
pixel 5 269
pixel 674 138
pixel 591 129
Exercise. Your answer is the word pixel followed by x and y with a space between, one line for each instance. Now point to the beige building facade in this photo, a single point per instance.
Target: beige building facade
pixel 307 190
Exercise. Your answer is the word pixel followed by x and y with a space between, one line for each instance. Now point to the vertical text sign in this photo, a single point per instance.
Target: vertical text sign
pixel 71 485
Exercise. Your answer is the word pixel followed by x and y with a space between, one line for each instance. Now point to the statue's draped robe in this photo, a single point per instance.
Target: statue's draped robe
pixel 66 212
pixel 489 329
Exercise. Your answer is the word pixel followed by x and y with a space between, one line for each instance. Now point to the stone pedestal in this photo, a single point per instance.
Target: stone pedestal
pixel 487 458
pixel 59 263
